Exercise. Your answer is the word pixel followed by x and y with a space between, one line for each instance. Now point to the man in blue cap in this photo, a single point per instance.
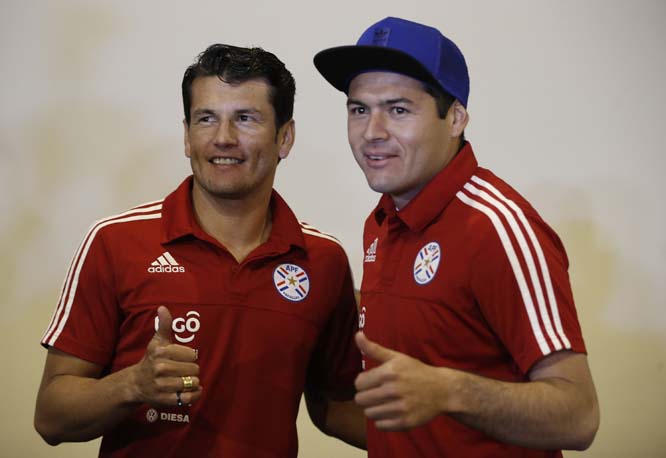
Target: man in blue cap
pixel 471 342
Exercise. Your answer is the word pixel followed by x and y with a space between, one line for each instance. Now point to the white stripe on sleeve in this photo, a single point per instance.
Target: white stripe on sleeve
pixel 515 266
pixel 75 268
pixel 527 256
pixel 540 256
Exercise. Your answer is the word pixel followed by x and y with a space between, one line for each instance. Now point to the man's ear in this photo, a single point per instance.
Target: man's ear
pixel 285 138
pixel 460 118
pixel 186 138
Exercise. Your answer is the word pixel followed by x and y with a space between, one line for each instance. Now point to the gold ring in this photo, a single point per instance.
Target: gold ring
pixel 187 383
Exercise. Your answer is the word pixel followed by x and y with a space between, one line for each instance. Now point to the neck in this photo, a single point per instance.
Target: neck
pixel 240 225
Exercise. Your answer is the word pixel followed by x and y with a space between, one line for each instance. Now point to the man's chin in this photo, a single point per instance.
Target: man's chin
pixel 380 186
pixel 224 192
pixel 229 194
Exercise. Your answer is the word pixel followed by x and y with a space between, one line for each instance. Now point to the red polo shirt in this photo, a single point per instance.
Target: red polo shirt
pixel 466 276
pixel 262 327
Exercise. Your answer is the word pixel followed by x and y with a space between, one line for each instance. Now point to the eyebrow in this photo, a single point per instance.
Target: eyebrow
pixel 200 111
pixel 383 102
pixel 248 111
pixel 398 100
pixel 210 111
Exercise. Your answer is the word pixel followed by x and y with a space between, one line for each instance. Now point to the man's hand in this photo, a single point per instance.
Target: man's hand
pixel 76 403
pixel 556 409
pixel 401 393
pixel 159 377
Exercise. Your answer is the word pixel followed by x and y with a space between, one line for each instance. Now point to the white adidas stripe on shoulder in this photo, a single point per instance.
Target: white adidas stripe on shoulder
pixel 540 256
pixel 61 314
pixel 500 203
pixel 515 266
pixel 527 256
pixel 311 230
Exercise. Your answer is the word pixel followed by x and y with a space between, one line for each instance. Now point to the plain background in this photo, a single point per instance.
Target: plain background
pixel 567 104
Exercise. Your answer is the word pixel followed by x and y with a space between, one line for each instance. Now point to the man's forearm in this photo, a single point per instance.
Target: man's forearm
pixel 346 421
pixel 342 419
pixel 550 413
pixel 556 409
pixel 75 404
pixel 74 409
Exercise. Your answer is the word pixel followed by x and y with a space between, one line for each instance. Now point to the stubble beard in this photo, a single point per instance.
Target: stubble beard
pixel 225 191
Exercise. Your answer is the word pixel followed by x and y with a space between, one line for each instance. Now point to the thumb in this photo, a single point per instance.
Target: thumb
pixel 373 350
pixel 164 321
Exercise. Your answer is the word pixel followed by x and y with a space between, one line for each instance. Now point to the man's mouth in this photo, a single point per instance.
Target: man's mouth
pixel 376 157
pixel 226 161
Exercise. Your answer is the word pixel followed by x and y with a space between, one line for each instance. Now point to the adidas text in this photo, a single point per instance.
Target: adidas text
pixel 165 263
pixel 174 269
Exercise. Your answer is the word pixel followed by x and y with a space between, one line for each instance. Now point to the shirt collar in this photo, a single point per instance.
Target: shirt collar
pixel 435 195
pixel 178 220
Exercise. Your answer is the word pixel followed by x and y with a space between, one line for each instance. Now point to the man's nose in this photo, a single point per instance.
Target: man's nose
pixel 375 129
pixel 226 134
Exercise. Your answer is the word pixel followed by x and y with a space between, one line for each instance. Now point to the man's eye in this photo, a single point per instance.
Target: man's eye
pixel 398 110
pixel 244 117
pixel 357 110
pixel 206 119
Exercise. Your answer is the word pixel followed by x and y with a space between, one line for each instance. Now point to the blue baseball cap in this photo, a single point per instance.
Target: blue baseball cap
pixel 400 46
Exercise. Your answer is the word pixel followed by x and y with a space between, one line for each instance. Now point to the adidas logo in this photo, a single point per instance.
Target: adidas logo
pixel 371 252
pixel 165 263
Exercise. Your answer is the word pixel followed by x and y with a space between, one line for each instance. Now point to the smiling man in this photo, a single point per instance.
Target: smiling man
pixel 192 326
pixel 471 343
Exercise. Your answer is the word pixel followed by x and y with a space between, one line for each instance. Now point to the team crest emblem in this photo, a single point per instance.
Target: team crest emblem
pixel 291 281
pixel 426 263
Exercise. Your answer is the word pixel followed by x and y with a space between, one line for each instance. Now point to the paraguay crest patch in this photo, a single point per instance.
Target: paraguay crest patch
pixel 426 263
pixel 291 281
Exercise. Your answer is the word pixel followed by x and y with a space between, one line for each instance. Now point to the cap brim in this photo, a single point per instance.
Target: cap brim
pixel 340 64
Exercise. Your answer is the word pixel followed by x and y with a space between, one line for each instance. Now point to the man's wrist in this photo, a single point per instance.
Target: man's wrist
pixel 454 385
pixel 128 392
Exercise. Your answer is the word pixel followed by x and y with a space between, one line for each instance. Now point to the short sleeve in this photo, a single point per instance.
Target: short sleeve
pixel 85 323
pixel 521 284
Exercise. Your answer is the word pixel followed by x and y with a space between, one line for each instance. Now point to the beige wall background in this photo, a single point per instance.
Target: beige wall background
pixel 567 104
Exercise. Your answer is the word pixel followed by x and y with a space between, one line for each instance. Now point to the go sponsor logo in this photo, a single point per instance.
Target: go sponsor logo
pixel 184 328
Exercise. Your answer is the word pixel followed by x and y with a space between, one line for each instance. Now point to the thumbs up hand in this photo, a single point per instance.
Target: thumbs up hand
pixel 401 392
pixel 168 373
pixel 164 323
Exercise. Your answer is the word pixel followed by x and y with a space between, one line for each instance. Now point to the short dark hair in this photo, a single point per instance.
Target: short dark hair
pixel 235 65
pixel 443 100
